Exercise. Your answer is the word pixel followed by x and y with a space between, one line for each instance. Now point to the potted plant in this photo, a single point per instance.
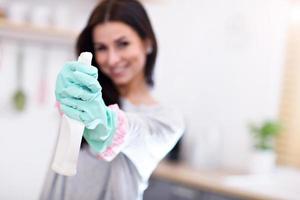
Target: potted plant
pixel 263 156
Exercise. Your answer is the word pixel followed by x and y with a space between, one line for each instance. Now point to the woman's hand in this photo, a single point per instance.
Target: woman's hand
pixel 80 97
pixel 79 94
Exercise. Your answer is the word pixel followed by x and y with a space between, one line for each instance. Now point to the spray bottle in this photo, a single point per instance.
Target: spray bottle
pixel 70 136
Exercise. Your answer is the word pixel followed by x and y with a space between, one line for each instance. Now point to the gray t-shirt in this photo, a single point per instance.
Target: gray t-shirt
pixel 153 131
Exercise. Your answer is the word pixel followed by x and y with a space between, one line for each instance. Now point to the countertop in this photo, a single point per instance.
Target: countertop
pixel 281 183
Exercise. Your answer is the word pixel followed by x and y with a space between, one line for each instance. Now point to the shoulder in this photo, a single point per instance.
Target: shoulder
pixel 167 114
pixel 155 115
pixel 155 109
pixel 160 120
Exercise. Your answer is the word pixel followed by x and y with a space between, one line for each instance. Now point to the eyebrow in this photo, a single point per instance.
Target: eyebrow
pixel 121 38
pixel 118 39
pixel 97 43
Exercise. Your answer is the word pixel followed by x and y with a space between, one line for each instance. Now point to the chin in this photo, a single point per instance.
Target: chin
pixel 121 81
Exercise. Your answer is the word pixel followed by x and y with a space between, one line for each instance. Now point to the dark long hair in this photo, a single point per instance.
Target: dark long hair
pixel 132 13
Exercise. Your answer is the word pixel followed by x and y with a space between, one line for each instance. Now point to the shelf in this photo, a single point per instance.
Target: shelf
pixel 29 32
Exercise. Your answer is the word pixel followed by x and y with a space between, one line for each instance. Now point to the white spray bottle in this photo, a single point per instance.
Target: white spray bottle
pixel 70 136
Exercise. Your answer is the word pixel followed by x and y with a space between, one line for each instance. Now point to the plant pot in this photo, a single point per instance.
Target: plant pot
pixel 262 161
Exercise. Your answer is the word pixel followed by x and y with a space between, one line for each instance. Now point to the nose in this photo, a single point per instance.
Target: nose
pixel 113 57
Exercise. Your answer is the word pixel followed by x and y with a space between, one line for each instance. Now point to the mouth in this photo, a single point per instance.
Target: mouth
pixel 117 72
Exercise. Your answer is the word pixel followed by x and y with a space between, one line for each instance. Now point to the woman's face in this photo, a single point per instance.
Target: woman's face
pixel 120 52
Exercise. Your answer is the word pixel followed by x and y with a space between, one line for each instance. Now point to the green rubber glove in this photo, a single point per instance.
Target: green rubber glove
pixel 67 78
pixel 79 94
pixel 101 137
pixel 77 87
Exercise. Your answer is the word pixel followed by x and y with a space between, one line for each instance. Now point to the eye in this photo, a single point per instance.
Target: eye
pixel 99 48
pixel 122 44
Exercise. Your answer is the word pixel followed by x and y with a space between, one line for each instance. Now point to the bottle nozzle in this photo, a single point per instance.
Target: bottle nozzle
pixel 85 58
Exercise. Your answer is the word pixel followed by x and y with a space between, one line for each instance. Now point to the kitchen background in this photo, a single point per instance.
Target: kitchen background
pixel 223 64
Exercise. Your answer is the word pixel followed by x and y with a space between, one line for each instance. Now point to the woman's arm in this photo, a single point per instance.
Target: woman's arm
pixel 145 138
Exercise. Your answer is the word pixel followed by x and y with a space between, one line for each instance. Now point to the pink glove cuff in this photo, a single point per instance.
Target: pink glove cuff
pixel 119 138
pixel 57 105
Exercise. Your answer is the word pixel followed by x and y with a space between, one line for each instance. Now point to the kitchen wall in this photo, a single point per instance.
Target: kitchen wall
pixel 221 63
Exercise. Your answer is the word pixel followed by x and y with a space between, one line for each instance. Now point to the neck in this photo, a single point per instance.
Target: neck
pixel 134 87
pixel 136 91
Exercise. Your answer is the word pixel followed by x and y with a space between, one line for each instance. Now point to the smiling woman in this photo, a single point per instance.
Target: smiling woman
pixel 133 131
pixel 120 31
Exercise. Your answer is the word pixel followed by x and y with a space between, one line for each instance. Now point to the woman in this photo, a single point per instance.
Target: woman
pixel 127 139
